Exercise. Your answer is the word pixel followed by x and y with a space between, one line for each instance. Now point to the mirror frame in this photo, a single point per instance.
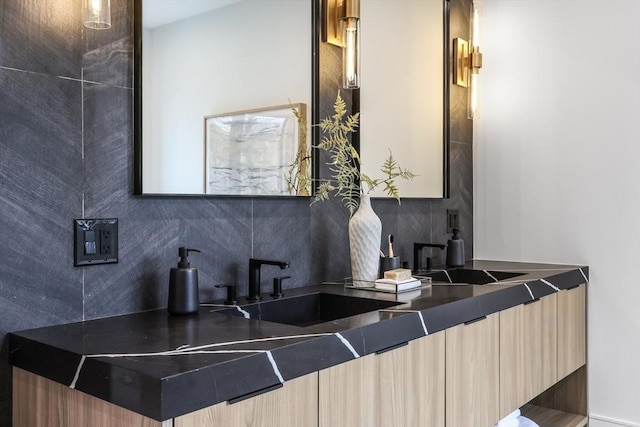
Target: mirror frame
pixel 446 105
pixel 446 113
pixel 314 132
pixel 137 105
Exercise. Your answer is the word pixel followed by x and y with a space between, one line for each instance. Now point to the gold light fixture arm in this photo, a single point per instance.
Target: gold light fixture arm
pixel 342 28
pixel 475 60
pixel 336 12
pixel 468 61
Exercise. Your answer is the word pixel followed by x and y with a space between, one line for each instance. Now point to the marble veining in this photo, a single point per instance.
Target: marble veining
pixel 529 289
pixel 348 345
pixel 186 349
pixel 586 279
pixel 275 367
pixel 551 285
pixel 424 326
pixel 448 276
pixel 214 357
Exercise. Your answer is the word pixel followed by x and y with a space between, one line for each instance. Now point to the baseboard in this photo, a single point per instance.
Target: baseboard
pixel 602 421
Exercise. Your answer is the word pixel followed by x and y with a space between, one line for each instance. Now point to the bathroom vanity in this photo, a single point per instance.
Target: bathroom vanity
pixel 451 355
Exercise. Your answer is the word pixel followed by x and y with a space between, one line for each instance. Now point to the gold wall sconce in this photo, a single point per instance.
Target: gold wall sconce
pixel 342 28
pixel 97 14
pixel 468 62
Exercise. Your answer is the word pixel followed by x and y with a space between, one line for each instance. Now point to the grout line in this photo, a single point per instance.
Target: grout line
pixel 252 210
pixel 29 72
pixel 73 79
pixel 82 129
pixel 84 175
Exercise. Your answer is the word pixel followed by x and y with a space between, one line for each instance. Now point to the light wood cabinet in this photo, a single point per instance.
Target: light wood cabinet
pixel 294 404
pixel 528 352
pixel 400 387
pixel 472 373
pixel 572 330
pixel 39 402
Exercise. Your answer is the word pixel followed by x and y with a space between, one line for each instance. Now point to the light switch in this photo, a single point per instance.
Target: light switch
pixel 96 241
pixel 89 242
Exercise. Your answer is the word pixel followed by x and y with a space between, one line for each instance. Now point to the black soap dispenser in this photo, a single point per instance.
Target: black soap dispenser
pixel 183 285
pixel 455 250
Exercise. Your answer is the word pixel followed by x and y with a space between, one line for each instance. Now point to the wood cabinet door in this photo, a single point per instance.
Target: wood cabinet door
pixel 294 404
pixel 572 330
pixel 528 352
pixel 472 373
pixel 400 387
pixel 40 402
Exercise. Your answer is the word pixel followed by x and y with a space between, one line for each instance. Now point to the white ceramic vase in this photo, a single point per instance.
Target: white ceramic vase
pixel 365 232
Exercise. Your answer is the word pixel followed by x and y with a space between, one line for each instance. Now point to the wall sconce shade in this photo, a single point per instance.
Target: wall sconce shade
pixel 342 28
pixel 97 14
pixel 468 61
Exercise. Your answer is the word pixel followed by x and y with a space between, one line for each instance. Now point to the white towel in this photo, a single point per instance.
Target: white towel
pixel 510 420
pixel 526 422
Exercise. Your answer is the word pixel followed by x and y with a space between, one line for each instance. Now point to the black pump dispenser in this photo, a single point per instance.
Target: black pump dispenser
pixel 183 285
pixel 455 250
pixel 184 257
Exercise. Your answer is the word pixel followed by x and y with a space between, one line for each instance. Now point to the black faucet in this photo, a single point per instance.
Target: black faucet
pixel 254 275
pixel 417 254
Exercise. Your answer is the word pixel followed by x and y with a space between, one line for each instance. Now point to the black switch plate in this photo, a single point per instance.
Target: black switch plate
pixel 96 241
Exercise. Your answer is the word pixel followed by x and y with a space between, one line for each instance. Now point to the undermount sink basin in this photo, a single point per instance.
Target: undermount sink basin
pixel 310 309
pixel 469 276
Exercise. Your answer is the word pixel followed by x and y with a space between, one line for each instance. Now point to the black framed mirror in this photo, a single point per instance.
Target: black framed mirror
pixel 215 83
pixel 404 97
pixel 160 175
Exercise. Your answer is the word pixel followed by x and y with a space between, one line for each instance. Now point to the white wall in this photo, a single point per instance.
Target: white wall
pixel 557 166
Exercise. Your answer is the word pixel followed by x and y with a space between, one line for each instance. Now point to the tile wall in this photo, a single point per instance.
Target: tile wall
pixel 66 152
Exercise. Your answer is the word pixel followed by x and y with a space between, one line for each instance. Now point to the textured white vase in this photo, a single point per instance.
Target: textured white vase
pixel 365 232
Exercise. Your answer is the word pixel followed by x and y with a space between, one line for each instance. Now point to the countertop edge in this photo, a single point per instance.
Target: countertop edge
pixel 163 398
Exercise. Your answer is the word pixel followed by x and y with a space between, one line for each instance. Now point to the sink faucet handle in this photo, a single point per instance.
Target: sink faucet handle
pixel 277 286
pixel 254 275
pixel 231 292
pixel 417 254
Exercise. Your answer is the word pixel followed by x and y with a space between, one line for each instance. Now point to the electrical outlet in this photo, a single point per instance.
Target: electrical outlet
pixel 96 241
pixel 453 220
pixel 105 241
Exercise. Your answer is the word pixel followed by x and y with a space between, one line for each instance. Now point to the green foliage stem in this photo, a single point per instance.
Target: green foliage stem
pixel 344 162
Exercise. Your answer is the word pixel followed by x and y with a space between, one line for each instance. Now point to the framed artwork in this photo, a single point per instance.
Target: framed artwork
pixel 257 152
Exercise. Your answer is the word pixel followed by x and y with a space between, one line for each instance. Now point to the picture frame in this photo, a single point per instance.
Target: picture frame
pixel 259 151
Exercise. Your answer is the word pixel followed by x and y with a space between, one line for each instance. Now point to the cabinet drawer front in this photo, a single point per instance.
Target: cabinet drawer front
pixel 294 404
pixel 398 388
pixel 528 352
pixel 472 373
pixel 572 330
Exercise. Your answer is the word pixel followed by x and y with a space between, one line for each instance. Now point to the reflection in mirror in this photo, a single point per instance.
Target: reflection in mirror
pixel 403 94
pixel 223 57
pixel 243 55
pixel 258 152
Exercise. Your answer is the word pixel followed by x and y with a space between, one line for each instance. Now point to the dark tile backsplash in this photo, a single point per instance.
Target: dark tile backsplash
pixel 66 152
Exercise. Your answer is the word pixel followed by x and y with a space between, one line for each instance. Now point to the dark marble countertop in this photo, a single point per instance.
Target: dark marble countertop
pixel 163 366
